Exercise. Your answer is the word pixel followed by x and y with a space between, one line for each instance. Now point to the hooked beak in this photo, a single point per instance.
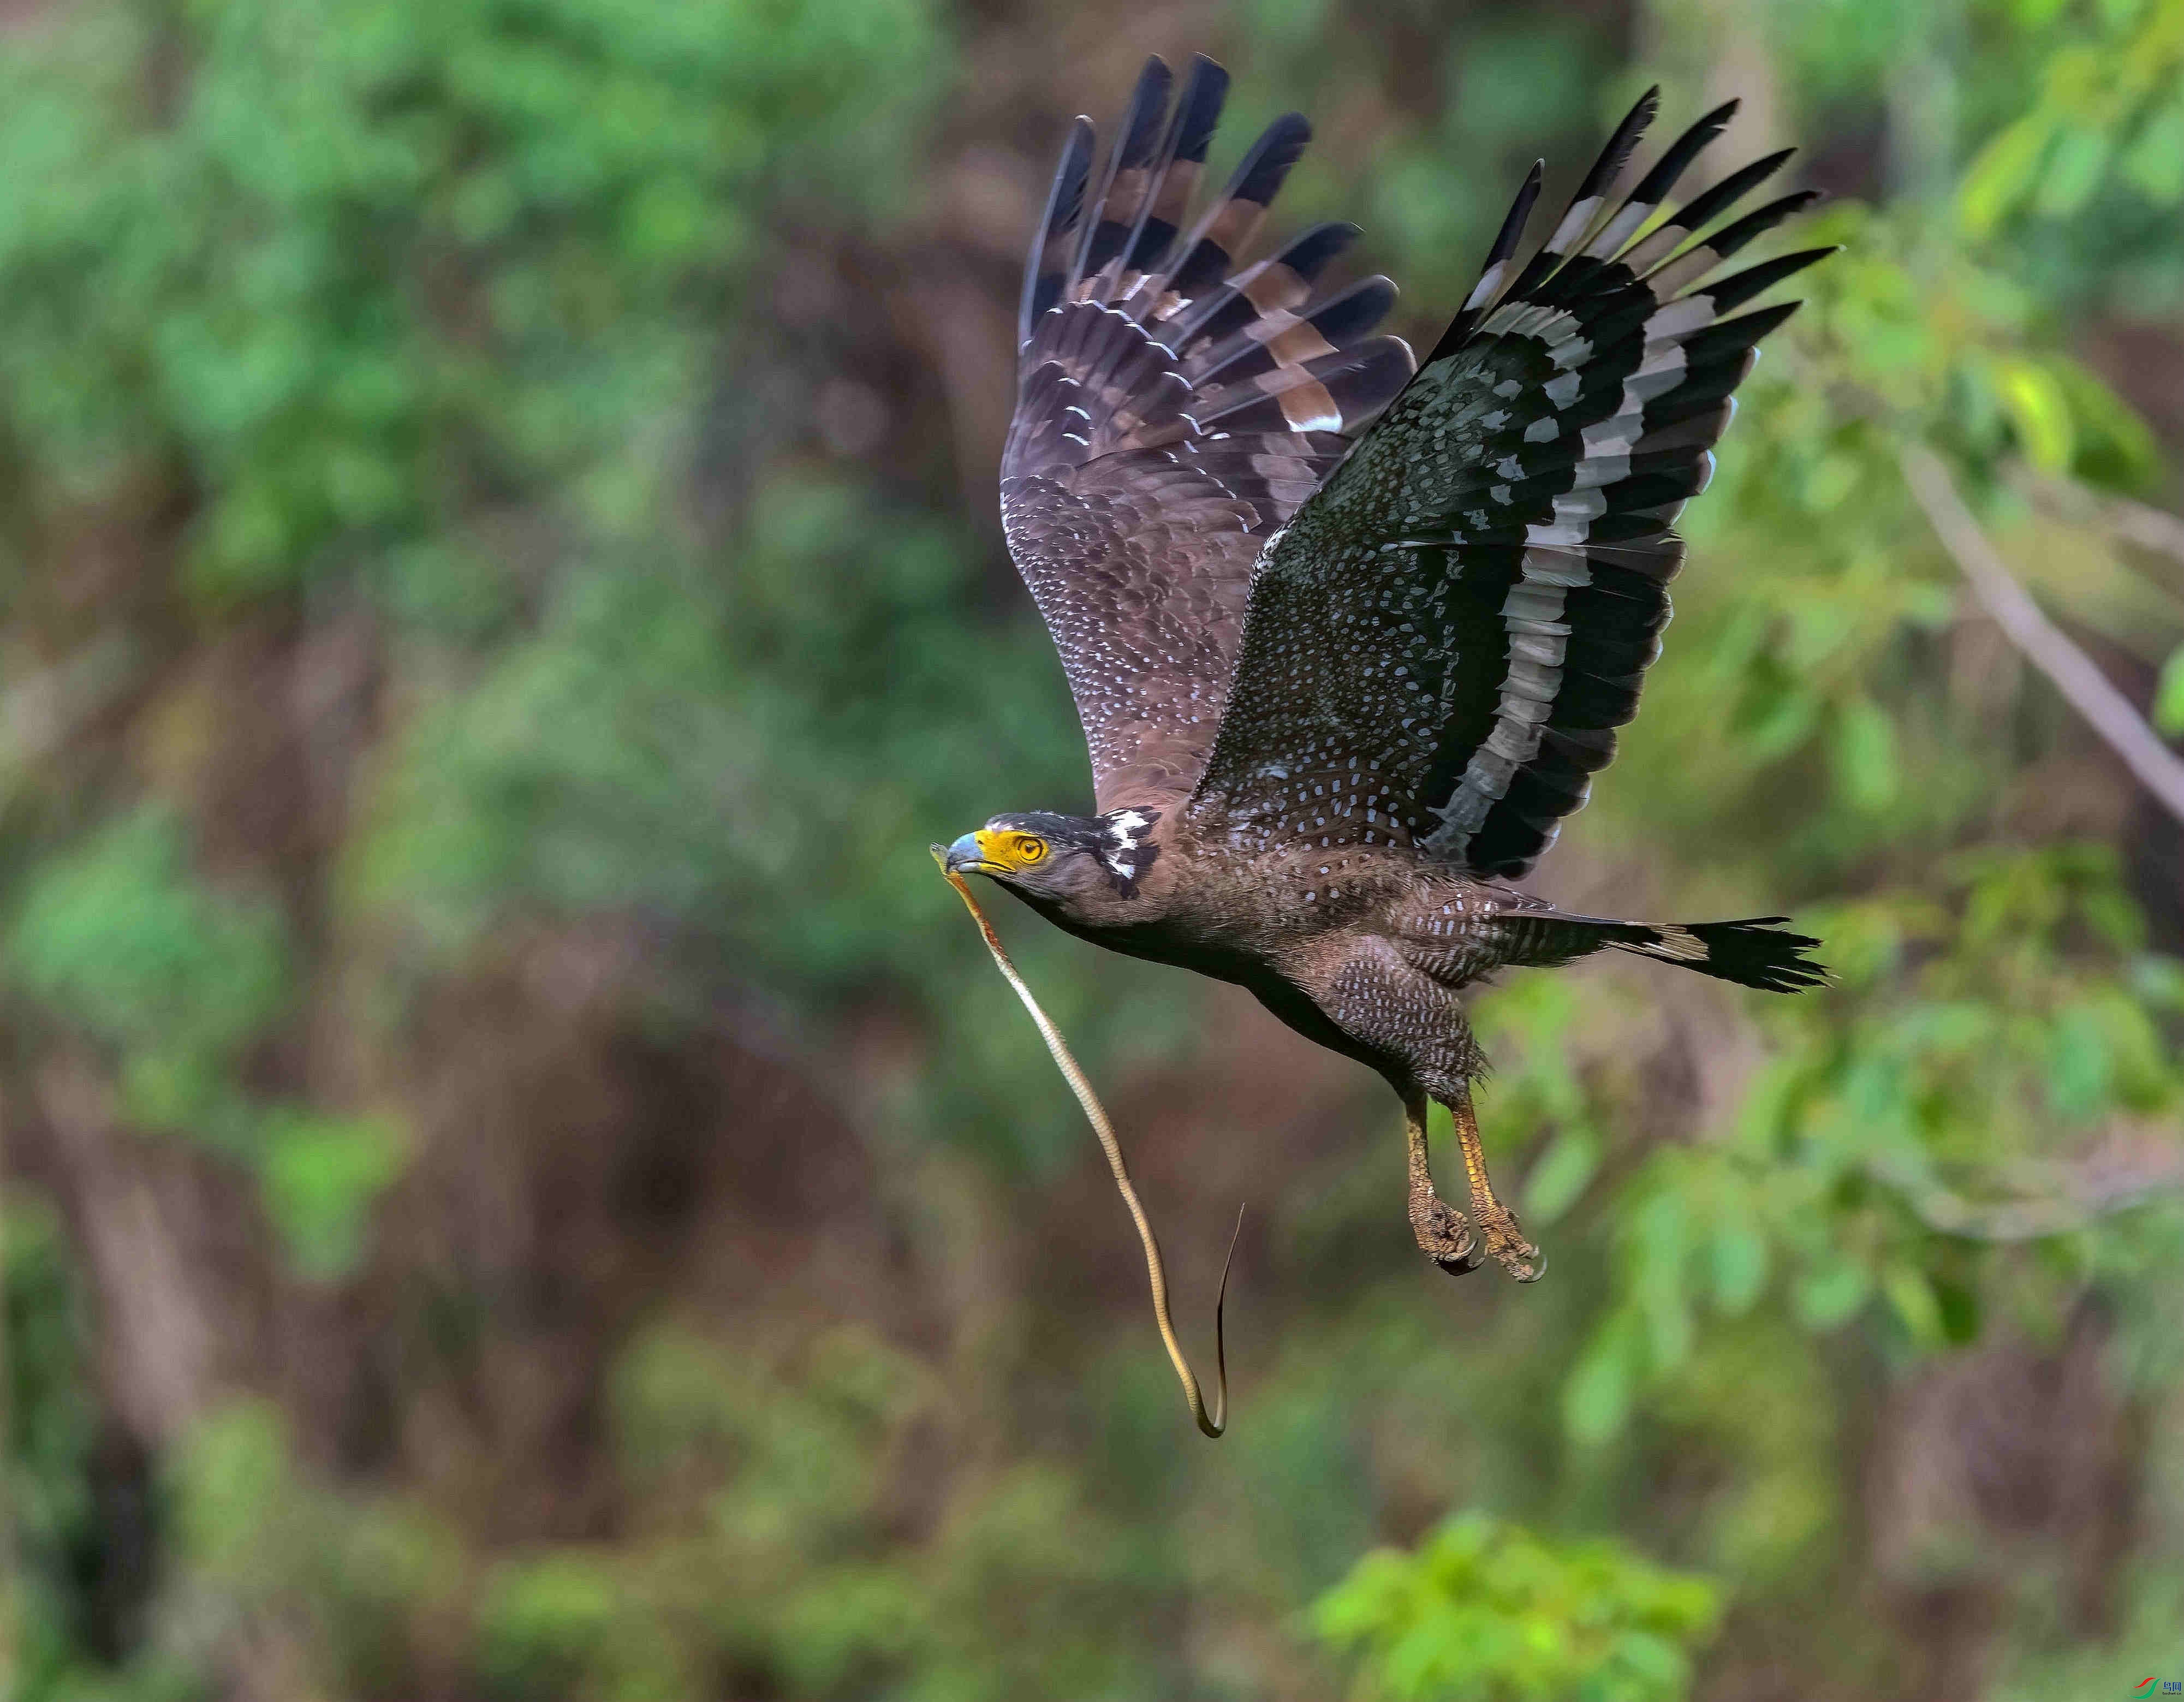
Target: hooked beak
pixel 968 856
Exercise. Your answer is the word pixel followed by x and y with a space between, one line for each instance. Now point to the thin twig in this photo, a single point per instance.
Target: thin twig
pixel 2133 522
pixel 2149 527
pixel 2106 710
pixel 2086 1194
pixel 1212 1425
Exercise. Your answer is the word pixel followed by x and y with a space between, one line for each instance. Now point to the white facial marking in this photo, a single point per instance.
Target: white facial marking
pixel 1128 828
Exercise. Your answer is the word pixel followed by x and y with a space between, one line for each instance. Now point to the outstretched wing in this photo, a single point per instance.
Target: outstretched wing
pixel 1438 648
pixel 1171 416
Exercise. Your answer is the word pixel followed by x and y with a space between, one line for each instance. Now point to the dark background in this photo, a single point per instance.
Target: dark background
pixel 519 1179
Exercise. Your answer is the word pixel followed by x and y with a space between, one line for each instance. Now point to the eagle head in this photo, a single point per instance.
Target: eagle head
pixel 1061 858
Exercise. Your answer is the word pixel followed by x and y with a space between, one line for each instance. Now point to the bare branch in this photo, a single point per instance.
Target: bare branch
pixel 2132 523
pixel 2044 645
pixel 2075 1196
pixel 2149 527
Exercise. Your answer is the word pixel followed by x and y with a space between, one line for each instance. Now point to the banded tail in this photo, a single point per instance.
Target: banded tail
pixel 1757 952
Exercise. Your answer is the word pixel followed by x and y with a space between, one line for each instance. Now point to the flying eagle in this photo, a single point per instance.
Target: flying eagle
pixel 1349 634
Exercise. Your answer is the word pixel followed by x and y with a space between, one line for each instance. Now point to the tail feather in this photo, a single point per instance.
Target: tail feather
pixel 1755 952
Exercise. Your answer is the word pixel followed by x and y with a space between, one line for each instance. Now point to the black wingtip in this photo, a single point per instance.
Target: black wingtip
pixel 1269 159
pixel 1488 288
pixel 1731 238
pixel 1613 157
pixel 1674 162
pixel 1747 329
pixel 1520 212
pixel 1044 267
pixel 1733 292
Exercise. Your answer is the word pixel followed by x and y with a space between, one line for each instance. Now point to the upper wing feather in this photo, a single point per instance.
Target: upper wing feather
pixel 1173 411
pixel 1438 647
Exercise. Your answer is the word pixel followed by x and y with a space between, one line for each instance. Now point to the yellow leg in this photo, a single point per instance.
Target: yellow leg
pixel 1504 1239
pixel 1443 1235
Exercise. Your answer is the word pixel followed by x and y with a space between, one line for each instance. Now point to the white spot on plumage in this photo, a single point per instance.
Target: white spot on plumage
pixel 1126 831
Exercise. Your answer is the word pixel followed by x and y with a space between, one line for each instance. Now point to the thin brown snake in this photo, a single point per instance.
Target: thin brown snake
pixel 1071 1073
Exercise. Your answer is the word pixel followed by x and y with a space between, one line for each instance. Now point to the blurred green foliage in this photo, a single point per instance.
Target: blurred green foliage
pixel 473 326
pixel 1484 1610
pixel 176 979
pixel 53 1424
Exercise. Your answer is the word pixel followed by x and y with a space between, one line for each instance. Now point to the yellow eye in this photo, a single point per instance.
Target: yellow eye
pixel 1028 848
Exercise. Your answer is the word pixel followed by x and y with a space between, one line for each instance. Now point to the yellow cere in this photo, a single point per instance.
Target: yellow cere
pixel 1012 850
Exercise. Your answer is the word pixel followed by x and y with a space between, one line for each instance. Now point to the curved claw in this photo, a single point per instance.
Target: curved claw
pixel 1523 1261
pixel 1444 1235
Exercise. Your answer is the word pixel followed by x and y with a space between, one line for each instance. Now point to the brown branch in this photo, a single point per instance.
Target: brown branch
pixel 2106 710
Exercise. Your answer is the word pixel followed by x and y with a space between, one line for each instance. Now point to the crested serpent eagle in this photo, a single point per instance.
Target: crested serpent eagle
pixel 1349 634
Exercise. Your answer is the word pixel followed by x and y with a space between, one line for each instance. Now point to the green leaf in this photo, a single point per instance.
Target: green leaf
pixel 2155 162
pixel 2081 1068
pixel 2074 172
pixel 2112 447
pixel 1828 1294
pixel 1739 1256
pixel 2002 174
pixel 1910 1295
pixel 319 1177
pixel 2169 695
pixel 1960 1307
pixel 2039 413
